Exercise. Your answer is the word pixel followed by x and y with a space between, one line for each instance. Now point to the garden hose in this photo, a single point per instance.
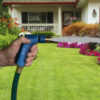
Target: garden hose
pixel 21 58
pixel 15 83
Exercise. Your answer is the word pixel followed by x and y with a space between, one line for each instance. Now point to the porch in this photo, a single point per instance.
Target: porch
pixel 40 27
pixel 44 18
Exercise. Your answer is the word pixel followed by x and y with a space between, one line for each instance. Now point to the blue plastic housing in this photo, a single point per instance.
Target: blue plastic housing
pixel 25 48
pixel 42 39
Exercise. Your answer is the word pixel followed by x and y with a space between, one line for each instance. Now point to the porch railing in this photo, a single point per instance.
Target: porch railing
pixel 40 27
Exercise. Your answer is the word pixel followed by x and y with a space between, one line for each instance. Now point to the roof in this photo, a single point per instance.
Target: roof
pixel 39 1
pixel 75 3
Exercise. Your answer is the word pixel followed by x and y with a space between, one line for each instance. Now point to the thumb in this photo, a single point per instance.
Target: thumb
pixel 24 40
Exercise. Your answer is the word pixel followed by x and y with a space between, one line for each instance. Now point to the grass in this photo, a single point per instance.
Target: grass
pixel 57 74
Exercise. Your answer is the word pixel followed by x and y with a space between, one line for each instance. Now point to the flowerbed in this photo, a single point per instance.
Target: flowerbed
pixel 70 45
pixel 84 49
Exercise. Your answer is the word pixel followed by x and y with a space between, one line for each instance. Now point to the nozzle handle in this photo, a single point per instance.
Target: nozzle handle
pixel 25 49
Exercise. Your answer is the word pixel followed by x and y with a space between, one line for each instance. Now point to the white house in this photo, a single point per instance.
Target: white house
pixel 52 15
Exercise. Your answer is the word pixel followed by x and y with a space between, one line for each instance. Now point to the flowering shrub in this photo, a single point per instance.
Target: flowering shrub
pixel 8 31
pixel 70 45
pixel 86 51
pixel 9 25
pixel 3 26
pixel 89 52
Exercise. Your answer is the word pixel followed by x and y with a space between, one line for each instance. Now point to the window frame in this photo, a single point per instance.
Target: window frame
pixel 40 22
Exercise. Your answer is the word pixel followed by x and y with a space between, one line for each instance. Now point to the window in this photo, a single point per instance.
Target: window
pixel 24 17
pixel 39 17
pixel 49 17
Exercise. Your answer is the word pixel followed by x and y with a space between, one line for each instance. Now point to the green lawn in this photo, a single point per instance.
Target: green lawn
pixel 57 74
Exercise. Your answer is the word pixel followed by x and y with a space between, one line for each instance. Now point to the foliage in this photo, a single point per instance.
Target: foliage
pixel 73 28
pixel 90 30
pixel 97 47
pixel 14 30
pixel 3 26
pixel 81 29
pixel 9 26
pixel 6 40
pixel 92 46
pixel 4 11
pixel 47 34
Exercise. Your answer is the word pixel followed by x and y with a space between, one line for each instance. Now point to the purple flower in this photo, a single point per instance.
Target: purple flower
pixel 71 45
pixel 60 44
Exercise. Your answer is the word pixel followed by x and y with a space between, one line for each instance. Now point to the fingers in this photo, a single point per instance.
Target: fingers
pixel 29 61
pixel 33 51
pixel 31 55
pixel 24 40
pixel 28 64
pixel 34 47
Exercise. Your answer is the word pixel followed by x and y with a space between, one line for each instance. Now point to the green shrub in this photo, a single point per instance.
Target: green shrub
pixel 97 47
pixel 47 34
pixel 3 16
pixel 4 10
pixel 14 30
pixel 6 40
pixel 3 28
pixel 92 46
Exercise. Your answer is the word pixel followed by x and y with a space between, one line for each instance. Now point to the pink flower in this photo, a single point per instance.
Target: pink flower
pixel 59 44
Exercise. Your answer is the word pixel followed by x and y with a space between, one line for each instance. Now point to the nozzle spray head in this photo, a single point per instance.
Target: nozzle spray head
pixel 43 39
pixel 25 48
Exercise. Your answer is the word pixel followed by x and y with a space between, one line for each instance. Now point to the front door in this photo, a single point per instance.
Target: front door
pixel 66 17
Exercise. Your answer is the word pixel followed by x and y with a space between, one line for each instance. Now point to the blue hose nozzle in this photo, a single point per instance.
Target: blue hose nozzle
pixel 25 48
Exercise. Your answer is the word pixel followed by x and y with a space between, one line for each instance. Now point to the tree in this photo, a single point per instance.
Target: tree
pixel 4 11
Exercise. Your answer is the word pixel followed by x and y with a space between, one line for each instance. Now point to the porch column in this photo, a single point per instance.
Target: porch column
pixel 12 11
pixel 59 20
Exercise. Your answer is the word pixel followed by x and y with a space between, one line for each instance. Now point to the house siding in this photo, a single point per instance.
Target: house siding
pixel 93 4
pixel 85 12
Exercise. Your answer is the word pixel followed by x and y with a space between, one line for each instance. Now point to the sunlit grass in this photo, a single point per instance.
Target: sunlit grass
pixel 56 74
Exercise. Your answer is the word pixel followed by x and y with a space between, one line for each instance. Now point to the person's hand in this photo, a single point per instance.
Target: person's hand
pixel 13 49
